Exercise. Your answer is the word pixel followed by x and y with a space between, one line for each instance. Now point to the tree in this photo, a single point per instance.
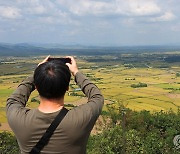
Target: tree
pixel 8 144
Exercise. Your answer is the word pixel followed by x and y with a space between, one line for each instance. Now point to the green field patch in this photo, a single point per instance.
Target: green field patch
pixel 157 103
pixel 137 94
pixel 137 106
pixel 5 92
pixel 20 76
pixel 177 102
pixel 149 80
pixel 124 97
pixel 168 86
pixel 142 72
pixel 114 91
pixel 71 98
pixel 3 115
pixel 162 98
pixel 153 90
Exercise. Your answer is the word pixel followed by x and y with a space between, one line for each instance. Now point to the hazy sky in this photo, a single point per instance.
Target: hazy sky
pixel 90 22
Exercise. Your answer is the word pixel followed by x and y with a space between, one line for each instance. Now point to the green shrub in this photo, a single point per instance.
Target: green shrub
pixel 108 142
pixel 178 74
pixel 144 133
pixel 139 85
pixel 8 144
pixel 69 105
pixel 35 100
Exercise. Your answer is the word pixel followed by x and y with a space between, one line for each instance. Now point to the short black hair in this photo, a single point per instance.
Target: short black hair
pixel 52 79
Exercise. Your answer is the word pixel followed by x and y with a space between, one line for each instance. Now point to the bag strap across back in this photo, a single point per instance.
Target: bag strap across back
pixel 45 138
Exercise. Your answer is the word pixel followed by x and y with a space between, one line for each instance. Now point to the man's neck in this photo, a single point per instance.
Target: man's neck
pixel 50 105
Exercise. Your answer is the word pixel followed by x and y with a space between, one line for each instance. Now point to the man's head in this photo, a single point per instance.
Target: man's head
pixel 52 79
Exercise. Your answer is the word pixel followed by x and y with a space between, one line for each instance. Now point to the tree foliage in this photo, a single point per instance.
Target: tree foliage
pixel 8 144
pixel 144 133
pixel 177 74
pixel 139 85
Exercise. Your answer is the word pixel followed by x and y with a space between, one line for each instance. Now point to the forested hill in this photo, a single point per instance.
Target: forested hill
pixel 25 49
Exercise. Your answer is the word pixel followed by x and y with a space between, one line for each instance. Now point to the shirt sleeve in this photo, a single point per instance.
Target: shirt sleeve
pixel 83 117
pixel 92 92
pixel 15 107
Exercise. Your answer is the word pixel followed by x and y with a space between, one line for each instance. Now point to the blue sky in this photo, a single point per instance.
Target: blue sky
pixel 91 22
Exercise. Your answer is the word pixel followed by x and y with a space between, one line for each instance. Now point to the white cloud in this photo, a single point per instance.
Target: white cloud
pixel 34 7
pixel 167 16
pixel 137 7
pixel 89 20
pixel 37 10
pixel 9 12
pixel 55 20
pixel 113 7
pixel 84 7
pixel 45 12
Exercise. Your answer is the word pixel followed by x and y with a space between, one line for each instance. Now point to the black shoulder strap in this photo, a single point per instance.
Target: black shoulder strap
pixel 45 138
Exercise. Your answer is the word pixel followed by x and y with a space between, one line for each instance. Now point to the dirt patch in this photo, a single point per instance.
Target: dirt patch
pixel 5 127
pixel 100 125
pixel 80 101
pixel 173 96
pixel 84 101
pixel 108 102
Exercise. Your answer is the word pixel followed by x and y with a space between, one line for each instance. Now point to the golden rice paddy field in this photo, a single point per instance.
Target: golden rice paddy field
pixel 162 91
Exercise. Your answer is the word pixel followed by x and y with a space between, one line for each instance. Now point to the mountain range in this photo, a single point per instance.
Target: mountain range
pixel 26 49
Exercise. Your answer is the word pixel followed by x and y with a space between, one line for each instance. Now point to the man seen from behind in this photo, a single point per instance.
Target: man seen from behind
pixel 52 79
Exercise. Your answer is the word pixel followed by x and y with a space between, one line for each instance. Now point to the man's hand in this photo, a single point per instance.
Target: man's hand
pixel 73 66
pixel 45 60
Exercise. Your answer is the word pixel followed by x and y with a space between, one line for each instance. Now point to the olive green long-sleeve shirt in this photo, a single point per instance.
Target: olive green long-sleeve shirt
pixel 71 135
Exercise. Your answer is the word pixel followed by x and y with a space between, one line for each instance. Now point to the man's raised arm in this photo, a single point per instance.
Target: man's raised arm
pixel 95 98
pixel 17 101
pixel 21 95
